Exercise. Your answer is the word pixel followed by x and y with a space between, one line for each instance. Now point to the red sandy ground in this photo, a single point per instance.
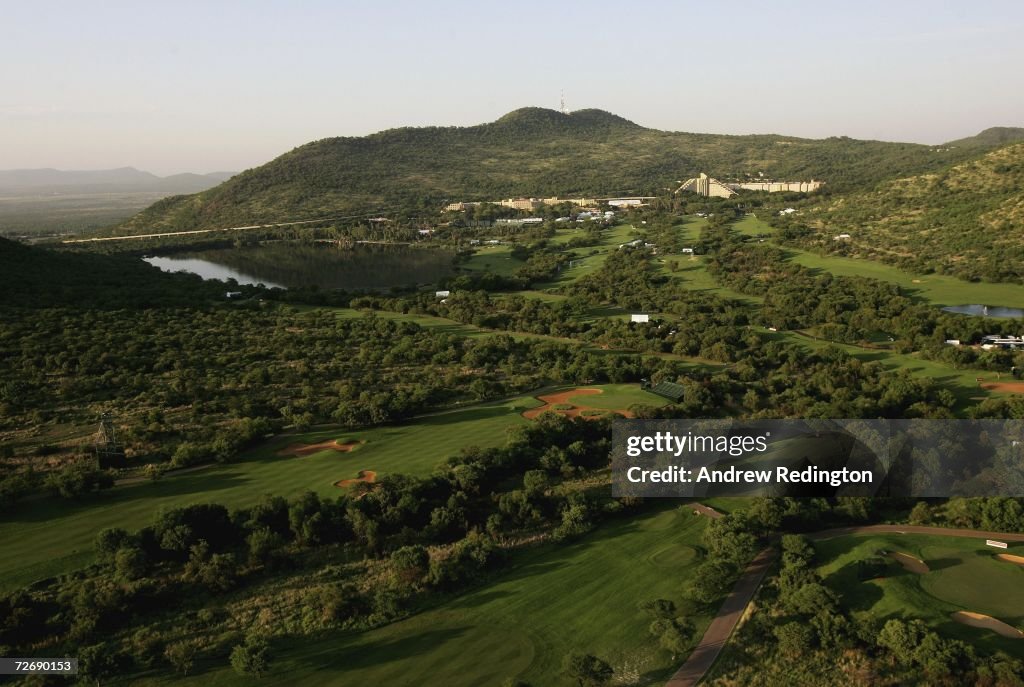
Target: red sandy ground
pixel 368 476
pixel 306 449
pixel 1015 387
pixel 551 400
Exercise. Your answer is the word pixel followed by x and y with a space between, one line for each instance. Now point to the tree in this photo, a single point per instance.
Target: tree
pixel 711 581
pixel 674 640
pixel 587 670
pixel 129 563
pixel 795 638
pixel 108 542
pixel 409 564
pixel 659 608
pixel 251 657
pixel 98 662
pixel 181 655
pixel 921 514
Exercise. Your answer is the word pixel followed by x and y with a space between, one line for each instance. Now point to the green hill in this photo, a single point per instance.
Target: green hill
pixel 991 138
pixel 531 151
pixel 967 220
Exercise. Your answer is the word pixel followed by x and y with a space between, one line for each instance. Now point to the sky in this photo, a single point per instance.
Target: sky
pixel 224 86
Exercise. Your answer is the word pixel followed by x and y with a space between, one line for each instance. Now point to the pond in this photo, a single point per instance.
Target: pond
pixel 288 264
pixel 986 311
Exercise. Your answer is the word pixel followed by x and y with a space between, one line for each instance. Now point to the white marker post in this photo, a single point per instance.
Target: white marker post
pixel 997 544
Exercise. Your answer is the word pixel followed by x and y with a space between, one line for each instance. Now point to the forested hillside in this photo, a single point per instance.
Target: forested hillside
pixel 967 220
pixel 531 151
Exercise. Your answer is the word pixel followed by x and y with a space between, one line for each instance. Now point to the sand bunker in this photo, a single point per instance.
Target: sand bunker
pixel 368 476
pixel 914 565
pixel 1010 558
pixel 306 449
pixel 562 398
pixel 989 623
pixel 1010 387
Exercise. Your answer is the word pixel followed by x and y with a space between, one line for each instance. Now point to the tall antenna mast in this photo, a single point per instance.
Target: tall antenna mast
pixel 564 111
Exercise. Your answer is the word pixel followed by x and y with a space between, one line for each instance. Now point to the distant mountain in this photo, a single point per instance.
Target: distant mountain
pixel 966 220
pixel 530 151
pixel 105 180
pixel 991 138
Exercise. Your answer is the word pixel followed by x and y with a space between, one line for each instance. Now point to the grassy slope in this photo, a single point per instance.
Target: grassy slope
pixel 964 576
pixel 48 537
pixel 936 289
pixel 961 218
pixel 581 596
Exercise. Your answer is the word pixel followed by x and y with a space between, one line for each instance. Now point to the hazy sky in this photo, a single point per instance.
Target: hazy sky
pixel 204 86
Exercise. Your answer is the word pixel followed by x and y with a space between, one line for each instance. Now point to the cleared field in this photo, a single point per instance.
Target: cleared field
pixel 48 537
pixel 963 576
pixel 577 597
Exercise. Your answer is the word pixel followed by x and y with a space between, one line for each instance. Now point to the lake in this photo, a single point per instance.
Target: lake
pixel 287 264
pixel 986 311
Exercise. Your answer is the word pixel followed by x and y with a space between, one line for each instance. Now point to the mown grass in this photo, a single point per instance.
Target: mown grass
pixel 580 596
pixel 964 576
pixel 496 259
pixel 47 537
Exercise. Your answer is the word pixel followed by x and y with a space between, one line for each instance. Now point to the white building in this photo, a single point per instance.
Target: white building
pixel 638 317
pixel 442 294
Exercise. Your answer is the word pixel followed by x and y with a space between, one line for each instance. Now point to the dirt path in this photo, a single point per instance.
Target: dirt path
pixel 724 623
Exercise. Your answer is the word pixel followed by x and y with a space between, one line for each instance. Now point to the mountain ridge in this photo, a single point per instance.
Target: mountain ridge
pixel 527 152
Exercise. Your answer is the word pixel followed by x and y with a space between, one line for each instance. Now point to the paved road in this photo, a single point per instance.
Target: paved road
pixel 721 628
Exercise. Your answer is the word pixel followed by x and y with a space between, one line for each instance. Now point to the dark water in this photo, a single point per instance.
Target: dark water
pixel 327 266
pixel 985 310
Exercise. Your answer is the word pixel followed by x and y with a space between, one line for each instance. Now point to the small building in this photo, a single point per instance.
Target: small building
pixel 992 341
pixel 442 294
pixel 670 390
pixel 841 237
pixel 952 342
pixel 687 251
pixel 233 294
pixel 426 232
pixel 632 244
pixel 787 211
pixel 640 317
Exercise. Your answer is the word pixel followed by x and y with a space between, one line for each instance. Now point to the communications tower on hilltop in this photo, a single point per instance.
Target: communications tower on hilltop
pixel 562 107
